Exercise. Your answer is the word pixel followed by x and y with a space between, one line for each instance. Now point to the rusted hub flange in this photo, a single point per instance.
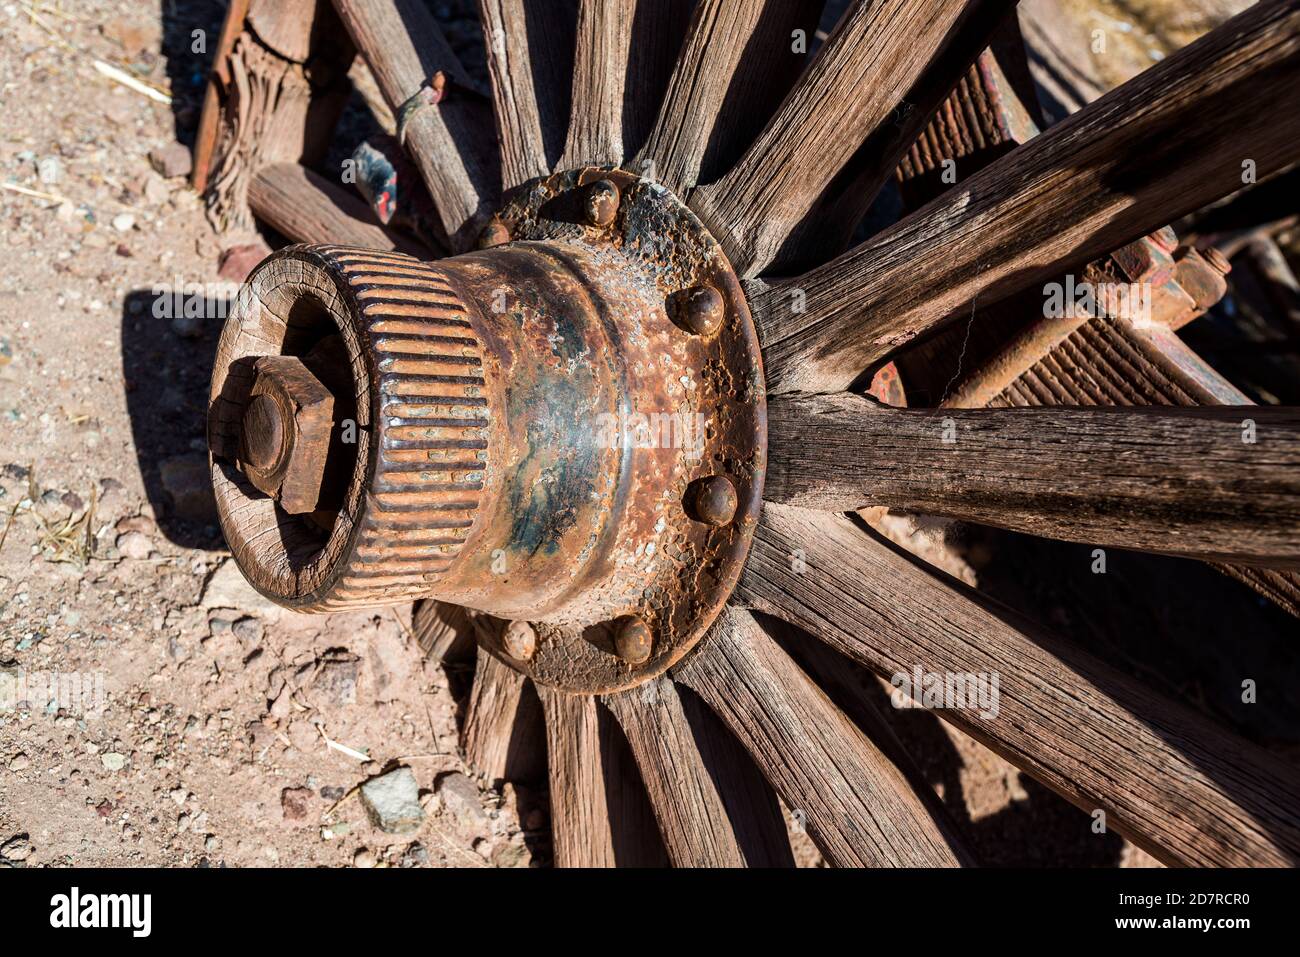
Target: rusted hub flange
pixel 566 428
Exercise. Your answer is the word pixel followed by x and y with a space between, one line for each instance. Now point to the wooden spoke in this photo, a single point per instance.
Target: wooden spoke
pixel 502 734
pixel 530 57
pixel 875 53
pixel 600 816
pixel 846 683
pixel 450 141
pixel 443 631
pixel 735 66
pixel 599 73
pixel 657 30
pixel 1174 138
pixel 308 208
pixel 1220 483
pixel 684 794
pixel 859 809
pixel 1079 726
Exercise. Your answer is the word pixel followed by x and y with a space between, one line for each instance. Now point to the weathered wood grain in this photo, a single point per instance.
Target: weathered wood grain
pixel 849 687
pixel 657 30
pixel 859 809
pixel 941 96
pixel 1170 140
pixel 307 208
pixel 205 139
pixel 734 68
pixel 443 632
pixel 1171 780
pixel 490 717
pixel 530 59
pixel 600 816
pixel 451 141
pixel 685 798
pixel 751 804
pixel 870 60
pixel 599 73
pixel 1219 483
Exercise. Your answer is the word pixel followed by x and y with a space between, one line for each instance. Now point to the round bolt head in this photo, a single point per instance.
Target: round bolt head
pixel 601 205
pixel 712 500
pixel 495 233
pixel 633 640
pixel 520 640
pixel 699 309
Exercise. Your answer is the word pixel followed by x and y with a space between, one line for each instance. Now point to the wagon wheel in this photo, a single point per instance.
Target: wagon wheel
pixel 508 408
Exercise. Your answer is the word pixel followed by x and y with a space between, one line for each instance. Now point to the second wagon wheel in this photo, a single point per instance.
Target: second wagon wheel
pixel 617 424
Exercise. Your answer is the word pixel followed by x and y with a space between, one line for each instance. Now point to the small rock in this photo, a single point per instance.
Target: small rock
pixel 19 762
pixel 113 760
pixel 332 793
pixel 17 848
pixel 135 545
pixel 364 857
pixel 178 796
pixel 248 630
pixel 337 677
pixel 123 222
pixel 172 160
pixel 238 261
pixel 211 844
pixel 460 798
pixel 392 802
pixel 155 190
pixel 188 481
pixel 227 588
pixel 49 171
pixel 104 808
pixel 295 803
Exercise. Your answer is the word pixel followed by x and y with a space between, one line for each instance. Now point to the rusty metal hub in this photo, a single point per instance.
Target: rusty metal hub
pixel 565 429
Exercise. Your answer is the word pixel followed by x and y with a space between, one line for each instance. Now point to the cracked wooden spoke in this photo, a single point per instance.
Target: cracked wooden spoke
pixel 1218 483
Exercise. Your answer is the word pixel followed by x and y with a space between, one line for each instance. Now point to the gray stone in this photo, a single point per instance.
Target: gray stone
pixel 392 801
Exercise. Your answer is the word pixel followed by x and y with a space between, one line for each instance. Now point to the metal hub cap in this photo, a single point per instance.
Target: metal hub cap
pixel 565 429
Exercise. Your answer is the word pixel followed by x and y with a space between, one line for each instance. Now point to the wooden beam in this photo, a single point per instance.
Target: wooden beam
pixel 859 809
pixel 1220 483
pixel 1076 724
pixel 870 60
pixel 1172 139
pixel 443 632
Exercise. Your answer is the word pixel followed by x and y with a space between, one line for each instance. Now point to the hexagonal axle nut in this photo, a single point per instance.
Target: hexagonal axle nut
pixel 285 434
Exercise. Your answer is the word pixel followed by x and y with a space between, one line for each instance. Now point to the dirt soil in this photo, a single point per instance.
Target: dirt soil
pixel 212 728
